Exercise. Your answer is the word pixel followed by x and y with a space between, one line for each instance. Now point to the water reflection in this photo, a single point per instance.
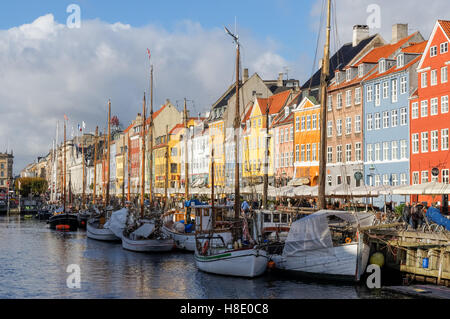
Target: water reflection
pixel 35 259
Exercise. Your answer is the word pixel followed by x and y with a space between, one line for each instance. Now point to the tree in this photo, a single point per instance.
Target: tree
pixel 31 185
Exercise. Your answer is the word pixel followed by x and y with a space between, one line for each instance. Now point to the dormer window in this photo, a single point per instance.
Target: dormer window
pixel 286 111
pixel 361 71
pixel 400 61
pixel 338 77
pixel 348 75
pixel 382 66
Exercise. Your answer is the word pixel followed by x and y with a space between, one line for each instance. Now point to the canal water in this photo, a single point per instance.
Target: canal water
pixel 34 261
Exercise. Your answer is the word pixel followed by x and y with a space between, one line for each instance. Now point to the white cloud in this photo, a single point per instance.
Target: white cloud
pixel 48 70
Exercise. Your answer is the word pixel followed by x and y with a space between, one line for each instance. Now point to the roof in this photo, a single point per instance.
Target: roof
pixel 275 102
pixel 393 69
pixel 416 47
pixel 176 128
pixel 341 58
pixel 445 24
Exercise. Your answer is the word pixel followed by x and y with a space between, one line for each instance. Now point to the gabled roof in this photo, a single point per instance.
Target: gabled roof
pixel 444 25
pixel 275 102
pixel 416 47
pixel 341 58
pixel 392 70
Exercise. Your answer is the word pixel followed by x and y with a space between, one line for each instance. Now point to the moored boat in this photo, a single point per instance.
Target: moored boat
pixel 61 218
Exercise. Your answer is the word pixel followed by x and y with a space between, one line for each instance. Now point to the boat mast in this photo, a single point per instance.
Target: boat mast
pixel 64 169
pixel 108 155
pixel 186 164
pixel 212 174
pixel 56 162
pixel 84 178
pixel 129 167
pixel 323 112
pixel 151 137
pixel 103 168
pixel 266 160
pixel 95 166
pixel 123 170
pixel 167 168
pixel 143 158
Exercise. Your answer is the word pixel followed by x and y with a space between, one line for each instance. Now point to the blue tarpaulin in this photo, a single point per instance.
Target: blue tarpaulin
pixel 435 216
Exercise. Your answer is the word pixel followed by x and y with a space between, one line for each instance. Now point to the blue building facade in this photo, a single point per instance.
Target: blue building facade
pixel 386 114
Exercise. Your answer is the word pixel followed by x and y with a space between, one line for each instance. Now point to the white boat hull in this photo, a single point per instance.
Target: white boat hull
pixel 337 262
pixel 103 234
pixel 241 263
pixel 148 245
pixel 182 241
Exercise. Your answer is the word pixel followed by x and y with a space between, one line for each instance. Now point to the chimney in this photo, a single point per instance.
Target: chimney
pixel 245 76
pixel 360 32
pixel 280 79
pixel 167 101
pixel 399 31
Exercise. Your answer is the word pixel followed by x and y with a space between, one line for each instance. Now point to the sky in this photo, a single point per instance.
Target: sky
pixel 48 69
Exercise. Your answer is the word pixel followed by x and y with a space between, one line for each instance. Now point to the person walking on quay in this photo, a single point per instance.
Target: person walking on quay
pixel 406 213
pixel 245 207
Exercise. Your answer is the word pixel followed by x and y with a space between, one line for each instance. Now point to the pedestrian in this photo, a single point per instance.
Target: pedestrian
pixel 245 207
pixel 406 213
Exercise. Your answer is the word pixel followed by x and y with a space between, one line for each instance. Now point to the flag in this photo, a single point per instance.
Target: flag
pixel 149 54
pixel 79 127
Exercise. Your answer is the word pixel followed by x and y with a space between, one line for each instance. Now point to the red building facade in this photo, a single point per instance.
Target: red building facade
pixel 429 114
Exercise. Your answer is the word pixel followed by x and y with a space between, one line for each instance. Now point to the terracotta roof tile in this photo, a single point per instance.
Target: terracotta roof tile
pixel 393 69
pixel 445 24
pixel 416 47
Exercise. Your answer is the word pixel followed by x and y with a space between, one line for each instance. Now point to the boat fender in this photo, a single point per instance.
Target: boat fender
pixel 271 264
pixel 348 240
pixel 205 247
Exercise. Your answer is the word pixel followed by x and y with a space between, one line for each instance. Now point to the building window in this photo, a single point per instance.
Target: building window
pixel 314 152
pixel 357 123
pixel 394 179
pixel 302 153
pixel 444 75
pixel 415 178
pixel 377 121
pixel 286 132
pixel 330 129
pixel 348 126
pixel 434 106
pixel 400 60
pixel 444 47
pixel 348 75
pixel 329 154
pixel 297 124
pixel 434 141
pixel 424 178
pixel 292 133
pixel 423 80
pixel 297 153
pixel 361 70
pixel 403 87
pixel 394 145
pixel 348 152
pixel 329 180
pixel 330 103
pixel 403 116
pixel 445 176
pixel 415 143
pixel 444 104
pixel 339 127
pixel 385 151
pixel 415 110
pixel 339 154
pixel 394 118
pixel 385 179
pixel 403 179
pixel 358 96
pixel 385 89
pixel 424 108
pixel 444 139
pixel 339 180
pixel 377 152
pixel 377 94
pixel 314 122
pixel 424 142
pixel 348 98
pixel 369 153
pixel 308 152
pixel 377 180
pixel 303 123
pixel 339 101
pixel 403 149
pixel 385 119
pixel 358 153
pixel 369 93
pixel 369 122
pixel 382 66
pixel 433 80
pixel 433 51
pixel 394 91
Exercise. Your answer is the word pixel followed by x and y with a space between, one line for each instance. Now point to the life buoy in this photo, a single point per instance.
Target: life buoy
pixel 205 247
pixel 348 240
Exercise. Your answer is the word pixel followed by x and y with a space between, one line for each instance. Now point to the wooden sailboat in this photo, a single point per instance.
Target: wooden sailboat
pixel 61 218
pixel 95 228
pixel 222 247
pixel 326 244
pixel 144 234
pixel 182 233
